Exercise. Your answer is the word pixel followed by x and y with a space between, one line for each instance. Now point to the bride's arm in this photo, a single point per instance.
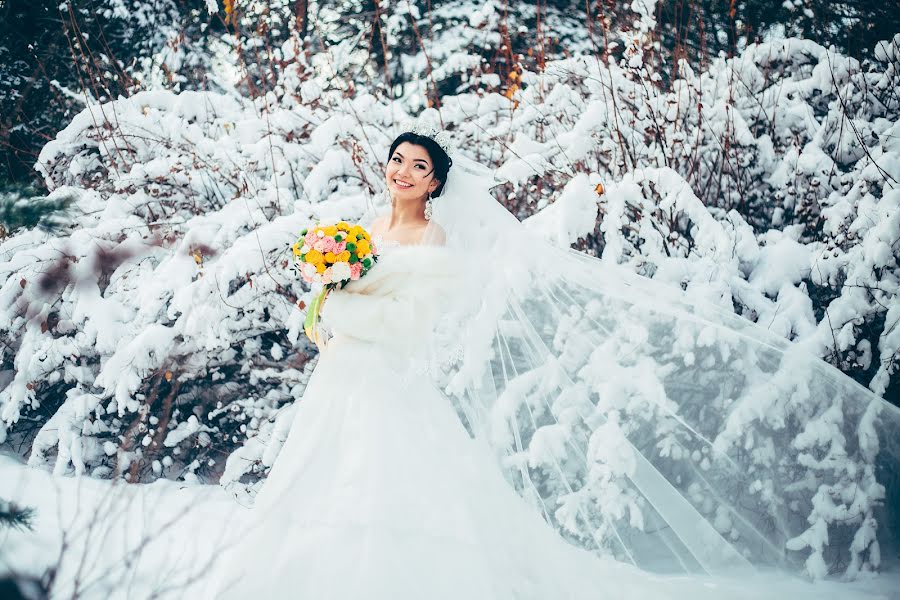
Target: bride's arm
pixel 377 226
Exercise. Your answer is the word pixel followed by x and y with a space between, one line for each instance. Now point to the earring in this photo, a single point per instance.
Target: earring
pixel 428 208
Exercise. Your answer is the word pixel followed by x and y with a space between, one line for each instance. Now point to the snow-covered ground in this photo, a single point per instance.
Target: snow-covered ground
pixel 109 541
pixel 158 331
pixel 162 540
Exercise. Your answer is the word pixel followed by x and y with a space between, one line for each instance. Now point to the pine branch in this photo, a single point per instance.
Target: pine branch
pixel 26 209
pixel 16 517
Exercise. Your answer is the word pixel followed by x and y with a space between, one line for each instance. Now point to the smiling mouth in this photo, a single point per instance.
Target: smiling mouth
pixel 402 184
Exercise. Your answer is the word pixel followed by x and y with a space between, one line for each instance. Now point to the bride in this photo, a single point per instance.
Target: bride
pixel 495 418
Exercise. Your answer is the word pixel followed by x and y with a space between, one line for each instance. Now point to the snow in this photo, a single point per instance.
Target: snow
pixel 781 260
pixel 186 202
pixel 571 216
pixel 165 539
pixel 150 534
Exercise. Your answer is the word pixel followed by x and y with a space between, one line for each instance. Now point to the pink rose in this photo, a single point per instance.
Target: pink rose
pixel 355 270
pixel 321 245
pixel 340 247
pixel 310 238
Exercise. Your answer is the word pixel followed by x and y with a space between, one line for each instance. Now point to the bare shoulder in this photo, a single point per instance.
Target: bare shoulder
pixel 378 225
pixel 434 234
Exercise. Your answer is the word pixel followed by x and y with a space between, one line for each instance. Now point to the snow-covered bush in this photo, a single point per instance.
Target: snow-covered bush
pixel 152 332
pixel 158 334
pixel 770 181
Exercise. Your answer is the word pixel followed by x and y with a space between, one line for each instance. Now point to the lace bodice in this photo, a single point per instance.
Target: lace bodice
pixel 383 244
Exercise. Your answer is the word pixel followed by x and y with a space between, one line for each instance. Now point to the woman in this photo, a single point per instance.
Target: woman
pixel 469 340
pixel 416 170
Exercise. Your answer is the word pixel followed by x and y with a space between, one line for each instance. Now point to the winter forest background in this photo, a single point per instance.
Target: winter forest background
pixel 159 156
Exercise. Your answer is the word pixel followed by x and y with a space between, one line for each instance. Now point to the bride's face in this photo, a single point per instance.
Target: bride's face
pixel 410 173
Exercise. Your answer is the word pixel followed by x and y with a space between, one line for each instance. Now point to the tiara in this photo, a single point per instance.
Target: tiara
pixel 440 137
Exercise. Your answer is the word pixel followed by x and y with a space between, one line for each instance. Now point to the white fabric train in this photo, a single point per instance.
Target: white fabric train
pixel 380 492
pixel 668 433
pixel 679 438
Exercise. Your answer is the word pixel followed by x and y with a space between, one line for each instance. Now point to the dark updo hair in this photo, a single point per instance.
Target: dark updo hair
pixel 439 159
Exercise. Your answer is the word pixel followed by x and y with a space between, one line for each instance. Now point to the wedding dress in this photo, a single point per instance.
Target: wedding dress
pixel 380 492
pixel 497 418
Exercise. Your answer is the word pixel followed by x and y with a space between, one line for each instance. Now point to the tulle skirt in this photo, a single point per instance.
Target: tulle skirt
pixel 380 493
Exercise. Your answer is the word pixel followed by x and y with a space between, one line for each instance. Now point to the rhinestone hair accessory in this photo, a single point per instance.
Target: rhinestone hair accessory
pixel 441 138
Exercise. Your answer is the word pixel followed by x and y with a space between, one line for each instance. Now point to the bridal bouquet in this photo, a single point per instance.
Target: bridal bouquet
pixel 331 255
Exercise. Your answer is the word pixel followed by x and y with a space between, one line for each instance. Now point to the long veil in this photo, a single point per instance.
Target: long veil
pixel 667 433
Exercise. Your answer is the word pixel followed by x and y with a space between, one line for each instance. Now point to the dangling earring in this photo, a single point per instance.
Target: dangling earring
pixel 428 208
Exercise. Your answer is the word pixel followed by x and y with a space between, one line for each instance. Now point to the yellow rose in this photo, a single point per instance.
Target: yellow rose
pixel 296 249
pixel 331 230
pixel 343 226
pixel 362 248
pixel 355 230
pixel 320 268
pixel 314 257
pixel 343 256
pixel 330 257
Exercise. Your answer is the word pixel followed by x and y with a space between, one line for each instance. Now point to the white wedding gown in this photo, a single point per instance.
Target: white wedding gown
pixel 380 493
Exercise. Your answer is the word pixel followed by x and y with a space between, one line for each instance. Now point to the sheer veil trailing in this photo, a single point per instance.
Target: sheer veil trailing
pixel 669 434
